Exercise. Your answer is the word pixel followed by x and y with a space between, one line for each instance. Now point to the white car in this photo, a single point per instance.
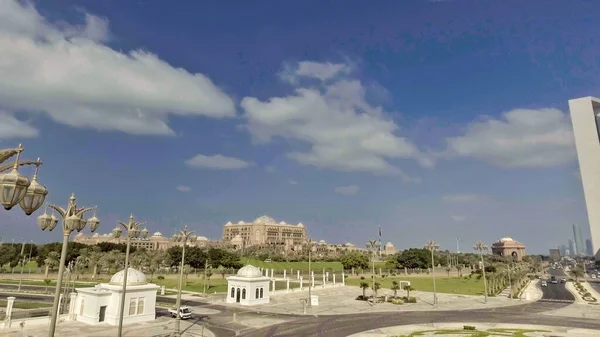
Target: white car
pixel 185 312
pixel 544 284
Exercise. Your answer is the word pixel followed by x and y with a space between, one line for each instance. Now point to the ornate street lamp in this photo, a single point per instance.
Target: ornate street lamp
pixel 183 236
pixel 433 246
pixel 16 188
pixel 482 247
pixel 373 246
pixel 72 220
pixel 133 232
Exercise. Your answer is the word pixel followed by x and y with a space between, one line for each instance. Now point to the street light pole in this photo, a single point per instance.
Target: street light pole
pixel 309 274
pixel 22 264
pixel 372 246
pixel 183 236
pixel 433 246
pixel 132 231
pixel 72 220
pixel 481 247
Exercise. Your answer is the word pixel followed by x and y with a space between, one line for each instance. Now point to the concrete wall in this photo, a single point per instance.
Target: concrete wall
pixel 583 116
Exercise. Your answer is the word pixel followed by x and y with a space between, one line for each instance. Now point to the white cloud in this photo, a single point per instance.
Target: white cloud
pixel 347 190
pixel 344 132
pixel 310 69
pixel 458 218
pixel 217 162
pixel 523 138
pixel 463 197
pixel 10 127
pixel 293 182
pixel 65 71
pixel 183 188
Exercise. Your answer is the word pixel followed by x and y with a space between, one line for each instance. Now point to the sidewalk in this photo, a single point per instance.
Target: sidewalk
pixel 342 300
pixel 408 330
pixel 161 326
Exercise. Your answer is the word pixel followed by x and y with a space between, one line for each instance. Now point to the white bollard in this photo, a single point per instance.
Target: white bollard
pixel 297 274
pixel 334 280
pixel 301 285
pixel 285 273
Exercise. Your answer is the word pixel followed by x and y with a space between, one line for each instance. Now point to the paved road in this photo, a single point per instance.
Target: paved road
pixel 556 292
pixel 334 326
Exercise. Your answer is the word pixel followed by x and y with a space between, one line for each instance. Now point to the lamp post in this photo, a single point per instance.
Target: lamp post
pixel 17 188
pixel 373 246
pixel 132 231
pixel 182 236
pixel 433 246
pixel 309 274
pixel 72 220
pixel 481 247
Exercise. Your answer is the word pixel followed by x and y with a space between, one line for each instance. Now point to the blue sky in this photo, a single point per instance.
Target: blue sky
pixel 431 119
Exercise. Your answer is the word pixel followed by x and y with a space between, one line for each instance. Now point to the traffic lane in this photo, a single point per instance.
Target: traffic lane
pixel 344 325
pixel 595 285
pixel 557 292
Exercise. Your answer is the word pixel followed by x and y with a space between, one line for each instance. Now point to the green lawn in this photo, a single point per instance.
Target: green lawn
pixel 26 305
pixel 303 266
pixel 450 285
pixel 216 284
pixel 51 284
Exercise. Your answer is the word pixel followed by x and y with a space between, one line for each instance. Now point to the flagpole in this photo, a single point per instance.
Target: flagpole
pixel 457 246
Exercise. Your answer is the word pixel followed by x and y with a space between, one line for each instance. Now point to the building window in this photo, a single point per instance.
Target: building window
pixel 261 292
pixel 232 292
pixel 244 294
pixel 81 307
pixel 257 294
pixel 132 306
pixel 140 306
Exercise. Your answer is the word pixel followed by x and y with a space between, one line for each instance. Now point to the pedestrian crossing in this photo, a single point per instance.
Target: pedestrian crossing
pixel 555 300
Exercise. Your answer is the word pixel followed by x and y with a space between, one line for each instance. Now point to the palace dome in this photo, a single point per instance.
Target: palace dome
pixel 249 271
pixel 134 278
pixel 264 219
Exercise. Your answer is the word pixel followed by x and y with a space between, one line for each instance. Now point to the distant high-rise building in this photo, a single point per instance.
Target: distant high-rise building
pixel 579 247
pixel 554 254
pixel 563 250
pixel 567 253
pixel 585 115
pixel 572 250
pixel 589 250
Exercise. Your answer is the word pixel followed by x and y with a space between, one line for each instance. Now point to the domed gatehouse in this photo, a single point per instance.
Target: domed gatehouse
pixel 248 287
pixel 101 304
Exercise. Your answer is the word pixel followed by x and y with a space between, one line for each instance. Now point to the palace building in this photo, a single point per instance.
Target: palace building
pixel 509 248
pixel 155 242
pixel 265 231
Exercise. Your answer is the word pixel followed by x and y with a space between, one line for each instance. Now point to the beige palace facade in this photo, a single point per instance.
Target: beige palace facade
pixel 265 231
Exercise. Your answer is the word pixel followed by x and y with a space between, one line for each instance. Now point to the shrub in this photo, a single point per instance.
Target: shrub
pixel 469 327
pixel 409 299
pixel 397 301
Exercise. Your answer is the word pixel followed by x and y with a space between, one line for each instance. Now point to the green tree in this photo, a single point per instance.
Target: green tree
pixel 395 287
pixel 355 259
pixel 376 288
pixel 408 289
pixel 8 253
pixel 364 286
pixel 418 258
pixel 577 272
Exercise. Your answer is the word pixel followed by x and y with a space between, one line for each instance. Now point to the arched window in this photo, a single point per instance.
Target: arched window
pixel 232 292
pixel 244 293
pixel 261 292
pixel 140 306
pixel 257 294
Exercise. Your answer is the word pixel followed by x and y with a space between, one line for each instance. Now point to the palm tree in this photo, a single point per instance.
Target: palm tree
pixel 408 289
pixel 364 285
pixel 395 287
pixel 576 272
pixel 94 259
pixel 459 268
pixel 82 260
pixel 376 287
pixel 52 260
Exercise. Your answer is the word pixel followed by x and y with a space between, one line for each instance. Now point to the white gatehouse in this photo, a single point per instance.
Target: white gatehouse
pixel 248 287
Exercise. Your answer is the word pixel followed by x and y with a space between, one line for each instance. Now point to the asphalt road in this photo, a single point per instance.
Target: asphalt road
pixel 334 326
pixel 556 292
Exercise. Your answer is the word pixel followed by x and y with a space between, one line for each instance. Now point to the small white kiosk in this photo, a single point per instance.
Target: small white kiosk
pixel 248 287
pixel 101 304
